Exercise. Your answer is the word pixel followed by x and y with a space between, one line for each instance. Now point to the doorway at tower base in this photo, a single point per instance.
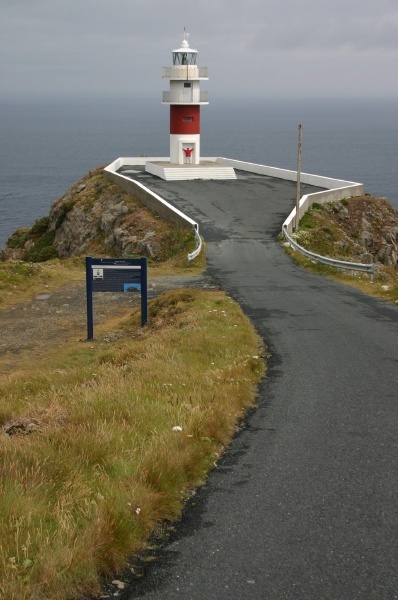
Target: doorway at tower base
pixel 185 149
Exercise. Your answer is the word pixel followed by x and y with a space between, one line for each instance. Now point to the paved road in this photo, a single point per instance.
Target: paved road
pixel 303 504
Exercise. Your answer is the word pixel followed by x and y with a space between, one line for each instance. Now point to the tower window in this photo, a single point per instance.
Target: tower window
pixel 187 85
pixel 187 118
pixel 184 58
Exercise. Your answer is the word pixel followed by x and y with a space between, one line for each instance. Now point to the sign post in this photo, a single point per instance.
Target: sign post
pixel 116 275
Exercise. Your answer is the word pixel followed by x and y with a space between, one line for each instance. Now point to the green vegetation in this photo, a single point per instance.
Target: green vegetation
pixel 65 209
pixel 385 285
pixel 43 249
pixel 116 434
pixel 19 238
pixel 40 227
pixel 319 233
pixel 42 246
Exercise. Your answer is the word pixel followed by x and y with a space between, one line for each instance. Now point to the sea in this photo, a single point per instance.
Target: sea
pixel 47 145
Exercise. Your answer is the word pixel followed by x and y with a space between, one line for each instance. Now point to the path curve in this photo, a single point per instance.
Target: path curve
pixel 303 504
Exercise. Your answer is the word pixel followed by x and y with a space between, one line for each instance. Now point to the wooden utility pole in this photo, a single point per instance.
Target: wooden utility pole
pixel 296 223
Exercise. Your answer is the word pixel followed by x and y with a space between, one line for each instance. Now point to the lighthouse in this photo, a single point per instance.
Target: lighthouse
pixel 185 99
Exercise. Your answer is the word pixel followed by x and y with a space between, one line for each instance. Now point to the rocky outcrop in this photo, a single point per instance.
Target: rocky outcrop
pixel 372 223
pixel 95 216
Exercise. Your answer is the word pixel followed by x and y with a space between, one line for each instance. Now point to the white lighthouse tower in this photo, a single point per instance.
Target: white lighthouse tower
pixel 185 99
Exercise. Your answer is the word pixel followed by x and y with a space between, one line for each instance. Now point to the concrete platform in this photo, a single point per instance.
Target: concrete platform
pixel 204 170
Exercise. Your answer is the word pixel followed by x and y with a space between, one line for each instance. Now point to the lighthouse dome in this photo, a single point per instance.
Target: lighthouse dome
pixel 185 55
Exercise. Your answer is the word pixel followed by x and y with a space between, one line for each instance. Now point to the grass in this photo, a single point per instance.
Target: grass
pixel 20 281
pixel 318 234
pixel 119 433
pixel 385 285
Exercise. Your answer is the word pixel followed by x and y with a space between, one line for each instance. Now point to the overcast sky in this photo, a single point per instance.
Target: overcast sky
pixel 257 48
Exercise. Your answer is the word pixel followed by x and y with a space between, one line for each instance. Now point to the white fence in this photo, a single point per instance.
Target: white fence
pixel 335 189
pixel 150 199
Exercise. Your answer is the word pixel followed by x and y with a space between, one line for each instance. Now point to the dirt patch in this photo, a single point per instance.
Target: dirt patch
pixel 49 320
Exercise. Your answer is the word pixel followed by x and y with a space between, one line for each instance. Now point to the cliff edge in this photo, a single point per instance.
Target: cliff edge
pixel 96 217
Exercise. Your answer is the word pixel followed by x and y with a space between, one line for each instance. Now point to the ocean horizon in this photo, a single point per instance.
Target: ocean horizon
pixel 48 145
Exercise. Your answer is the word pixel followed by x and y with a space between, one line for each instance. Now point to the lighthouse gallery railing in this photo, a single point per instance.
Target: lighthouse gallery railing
pixel 180 98
pixel 185 72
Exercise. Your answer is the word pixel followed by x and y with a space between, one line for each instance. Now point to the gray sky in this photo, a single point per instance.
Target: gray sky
pixel 257 48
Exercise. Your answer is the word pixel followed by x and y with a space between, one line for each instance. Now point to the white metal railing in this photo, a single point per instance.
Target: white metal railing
pixel 198 248
pixel 163 205
pixel 179 98
pixel 332 262
pixel 185 72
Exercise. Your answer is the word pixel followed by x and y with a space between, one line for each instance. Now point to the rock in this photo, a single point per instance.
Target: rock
pixel 93 216
pixel 364 222
pixel 112 214
pixel 366 258
pixel 371 228
pixel 21 426
pixel 367 238
pixel 12 253
pixel 390 236
pixel 119 584
pixel 387 255
pixel 343 213
pixel 341 245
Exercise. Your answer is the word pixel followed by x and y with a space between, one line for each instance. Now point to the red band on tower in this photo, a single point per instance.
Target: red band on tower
pixel 184 119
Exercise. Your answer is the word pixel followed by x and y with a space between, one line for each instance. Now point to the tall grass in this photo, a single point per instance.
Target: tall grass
pixel 119 433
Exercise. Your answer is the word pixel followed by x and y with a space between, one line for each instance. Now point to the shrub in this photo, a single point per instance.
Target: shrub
pixel 18 238
pixel 40 226
pixel 66 207
pixel 43 249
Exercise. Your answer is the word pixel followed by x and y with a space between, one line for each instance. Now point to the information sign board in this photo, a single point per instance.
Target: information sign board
pixel 126 275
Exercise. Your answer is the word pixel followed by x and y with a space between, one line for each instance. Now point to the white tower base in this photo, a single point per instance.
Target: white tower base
pixel 207 169
pixel 180 141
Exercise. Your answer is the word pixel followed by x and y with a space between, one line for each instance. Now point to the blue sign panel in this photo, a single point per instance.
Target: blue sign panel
pixel 126 275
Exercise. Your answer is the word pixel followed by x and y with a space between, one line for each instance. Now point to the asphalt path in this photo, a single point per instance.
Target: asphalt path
pixel 303 504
